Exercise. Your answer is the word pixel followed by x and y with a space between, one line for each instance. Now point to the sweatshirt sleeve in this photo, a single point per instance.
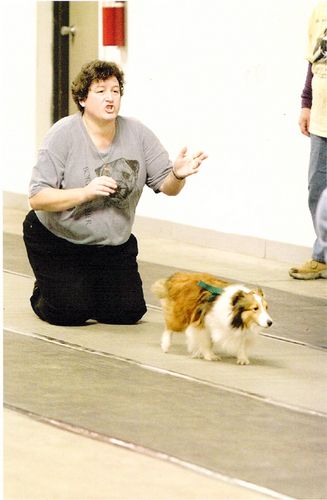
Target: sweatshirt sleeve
pixel 306 96
pixel 52 156
pixel 48 172
pixel 158 163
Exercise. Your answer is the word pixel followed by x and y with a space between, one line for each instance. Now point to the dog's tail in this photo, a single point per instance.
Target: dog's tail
pixel 159 288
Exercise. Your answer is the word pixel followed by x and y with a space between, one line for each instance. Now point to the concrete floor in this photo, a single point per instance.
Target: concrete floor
pixel 99 412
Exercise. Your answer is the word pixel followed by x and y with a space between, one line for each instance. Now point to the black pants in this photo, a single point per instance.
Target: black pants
pixel 75 283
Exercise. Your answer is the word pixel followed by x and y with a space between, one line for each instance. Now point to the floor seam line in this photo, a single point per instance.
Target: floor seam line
pixel 159 309
pixel 164 371
pixel 143 450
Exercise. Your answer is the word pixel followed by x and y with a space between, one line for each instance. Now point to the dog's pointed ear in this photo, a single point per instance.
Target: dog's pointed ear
pixel 259 291
pixel 237 297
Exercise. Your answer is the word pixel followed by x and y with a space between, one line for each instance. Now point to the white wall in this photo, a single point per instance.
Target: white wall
pixel 44 73
pixel 18 93
pixel 219 75
pixel 226 77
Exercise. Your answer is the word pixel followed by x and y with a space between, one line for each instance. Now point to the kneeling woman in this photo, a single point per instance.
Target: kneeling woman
pixel 84 190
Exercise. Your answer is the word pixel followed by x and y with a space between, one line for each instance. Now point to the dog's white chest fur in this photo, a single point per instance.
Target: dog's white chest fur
pixel 225 337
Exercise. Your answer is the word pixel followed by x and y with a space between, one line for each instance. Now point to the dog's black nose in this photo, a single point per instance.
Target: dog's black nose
pixel 269 322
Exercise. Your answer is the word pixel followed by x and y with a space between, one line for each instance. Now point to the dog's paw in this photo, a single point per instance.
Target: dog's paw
pixel 211 356
pixel 165 341
pixel 164 347
pixel 196 354
pixel 243 361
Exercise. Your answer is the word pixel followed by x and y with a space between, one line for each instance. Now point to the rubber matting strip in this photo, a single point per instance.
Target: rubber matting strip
pixel 220 431
pixel 308 328
pixel 87 433
pixel 234 390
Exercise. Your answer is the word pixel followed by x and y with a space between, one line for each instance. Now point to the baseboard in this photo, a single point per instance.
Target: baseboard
pixel 16 201
pixel 147 227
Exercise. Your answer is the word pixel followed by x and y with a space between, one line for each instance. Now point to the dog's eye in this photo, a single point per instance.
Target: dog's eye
pixel 256 308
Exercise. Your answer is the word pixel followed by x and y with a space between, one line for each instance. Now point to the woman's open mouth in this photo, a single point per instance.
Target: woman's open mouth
pixel 109 108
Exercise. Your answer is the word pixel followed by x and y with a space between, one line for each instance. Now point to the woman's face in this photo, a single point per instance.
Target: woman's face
pixel 103 100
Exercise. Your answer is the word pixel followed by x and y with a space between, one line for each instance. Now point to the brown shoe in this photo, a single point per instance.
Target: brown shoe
pixel 310 270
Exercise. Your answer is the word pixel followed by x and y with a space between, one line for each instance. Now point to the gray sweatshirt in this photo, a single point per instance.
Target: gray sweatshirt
pixel 69 159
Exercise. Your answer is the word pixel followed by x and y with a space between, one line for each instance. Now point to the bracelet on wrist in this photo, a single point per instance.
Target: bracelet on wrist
pixel 177 176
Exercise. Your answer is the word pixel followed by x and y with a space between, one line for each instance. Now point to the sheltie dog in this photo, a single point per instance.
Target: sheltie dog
pixel 214 314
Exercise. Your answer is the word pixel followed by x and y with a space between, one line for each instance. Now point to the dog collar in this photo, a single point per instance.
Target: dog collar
pixel 214 290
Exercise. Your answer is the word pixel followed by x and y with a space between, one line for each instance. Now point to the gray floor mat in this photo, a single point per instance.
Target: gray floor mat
pixel 303 319
pixel 234 435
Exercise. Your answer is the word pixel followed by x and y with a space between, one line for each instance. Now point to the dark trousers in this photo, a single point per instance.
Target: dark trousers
pixel 75 283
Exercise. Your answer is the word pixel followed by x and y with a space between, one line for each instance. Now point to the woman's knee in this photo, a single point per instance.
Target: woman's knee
pixel 123 317
pixel 133 317
pixel 56 314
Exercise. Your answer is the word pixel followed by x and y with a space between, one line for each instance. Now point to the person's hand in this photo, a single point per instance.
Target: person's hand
pixel 304 121
pixel 187 164
pixel 100 186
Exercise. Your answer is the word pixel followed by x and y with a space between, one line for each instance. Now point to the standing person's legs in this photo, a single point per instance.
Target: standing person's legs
pixel 62 292
pixel 119 292
pixel 317 183
pixel 321 221
pixel 315 267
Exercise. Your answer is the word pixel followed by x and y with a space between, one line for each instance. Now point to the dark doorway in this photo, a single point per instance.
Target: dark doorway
pixel 60 105
pixel 75 42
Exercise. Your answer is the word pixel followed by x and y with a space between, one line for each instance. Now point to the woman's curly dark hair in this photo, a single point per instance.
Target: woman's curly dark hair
pixel 94 71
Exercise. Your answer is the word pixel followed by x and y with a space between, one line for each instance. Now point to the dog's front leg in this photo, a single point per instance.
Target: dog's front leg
pixel 200 344
pixel 192 342
pixel 242 358
pixel 166 340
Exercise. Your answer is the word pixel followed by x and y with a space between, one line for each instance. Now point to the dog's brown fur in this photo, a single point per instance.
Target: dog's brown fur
pixel 183 301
